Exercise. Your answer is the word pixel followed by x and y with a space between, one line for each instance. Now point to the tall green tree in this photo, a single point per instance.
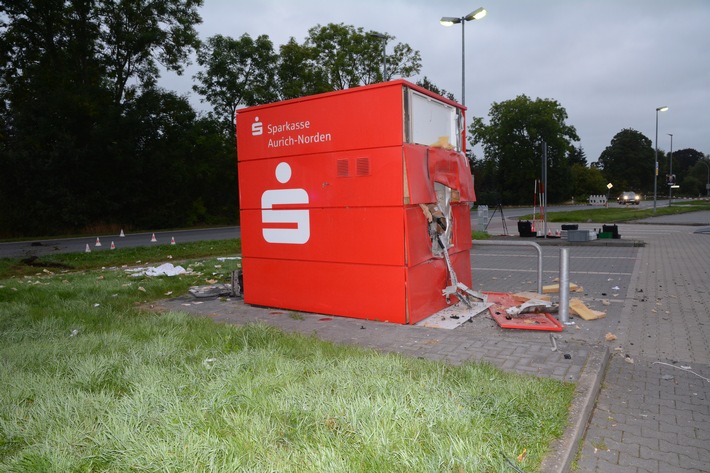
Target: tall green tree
pixel 513 141
pixel 237 72
pixel 139 35
pixel 628 162
pixel 349 56
pixel 69 70
pixel 299 74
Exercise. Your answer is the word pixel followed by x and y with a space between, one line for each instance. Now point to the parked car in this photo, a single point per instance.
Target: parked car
pixel 627 198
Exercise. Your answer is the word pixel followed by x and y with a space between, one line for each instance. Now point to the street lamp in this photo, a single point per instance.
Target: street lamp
pixel 655 171
pixel 707 186
pixel 671 181
pixel 383 37
pixel 450 20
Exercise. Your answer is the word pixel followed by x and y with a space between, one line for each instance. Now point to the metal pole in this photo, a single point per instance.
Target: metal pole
pixel 564 286
pixel 670 173
pixel 655 170
pixel 384 59
pixel 463 62
pixel 544 183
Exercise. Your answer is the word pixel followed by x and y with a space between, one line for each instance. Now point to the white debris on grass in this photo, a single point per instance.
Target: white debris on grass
pixel 166 269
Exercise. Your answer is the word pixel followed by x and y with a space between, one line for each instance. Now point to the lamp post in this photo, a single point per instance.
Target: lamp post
pixel 671 181
pixel 707 186
pixel 450 20
pixel 655 171
pixel 383 37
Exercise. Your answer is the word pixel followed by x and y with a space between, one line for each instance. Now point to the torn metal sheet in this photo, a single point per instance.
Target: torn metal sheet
pixel 455 315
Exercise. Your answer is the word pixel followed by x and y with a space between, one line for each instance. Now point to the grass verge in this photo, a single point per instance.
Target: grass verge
pixel 93 383
pixel 620 214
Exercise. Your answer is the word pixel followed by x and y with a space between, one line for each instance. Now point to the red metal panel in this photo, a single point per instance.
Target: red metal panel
pixel 360 235
pixel 426 281
pixel 351 290
pixel 357 118
pixel 361 178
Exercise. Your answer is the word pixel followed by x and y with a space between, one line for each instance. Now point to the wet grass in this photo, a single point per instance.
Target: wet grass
pixel 93 382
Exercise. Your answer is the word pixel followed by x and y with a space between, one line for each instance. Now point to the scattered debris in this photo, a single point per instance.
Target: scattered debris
pixel 74 333
pixel 213 290
pixel 523 454
pixel 683 368
pixel 556 288
pixel 525 296
pixel 166 269
pixel 577 307
pixel 628 359
pixel 610 337
pixel 531 306
pixel 553 340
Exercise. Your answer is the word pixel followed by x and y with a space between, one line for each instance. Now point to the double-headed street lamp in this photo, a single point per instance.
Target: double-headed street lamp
pixel 655 170
pixel 450 20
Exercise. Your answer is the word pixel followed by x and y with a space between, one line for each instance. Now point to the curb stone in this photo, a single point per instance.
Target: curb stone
pixel 564 450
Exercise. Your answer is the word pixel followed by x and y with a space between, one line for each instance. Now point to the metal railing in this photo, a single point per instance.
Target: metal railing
pixel 518 243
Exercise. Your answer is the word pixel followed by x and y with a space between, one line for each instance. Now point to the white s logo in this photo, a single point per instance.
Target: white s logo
pixel 296 222
pixel 257 127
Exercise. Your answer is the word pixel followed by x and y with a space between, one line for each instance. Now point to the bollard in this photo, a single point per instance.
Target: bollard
pixel 564 286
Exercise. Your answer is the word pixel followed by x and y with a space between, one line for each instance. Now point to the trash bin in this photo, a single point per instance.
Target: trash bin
pixel 613 229
pixel 345 197
pixel 525 228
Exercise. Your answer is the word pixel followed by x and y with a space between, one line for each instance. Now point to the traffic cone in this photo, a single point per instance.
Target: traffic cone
pixel 153 239
pixel 87 250
pixel 113 247
pixel 557 233
pixel 122 234
pixel 172 241
pixel 98 242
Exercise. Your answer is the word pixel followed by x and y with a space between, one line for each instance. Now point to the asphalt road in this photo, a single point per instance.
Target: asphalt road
pixel 41 247
pixel 74 245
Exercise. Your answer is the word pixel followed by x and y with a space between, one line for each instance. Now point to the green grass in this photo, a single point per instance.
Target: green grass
pixel 132 256
pixel 617 214
pixel 93 382
pixel 478 235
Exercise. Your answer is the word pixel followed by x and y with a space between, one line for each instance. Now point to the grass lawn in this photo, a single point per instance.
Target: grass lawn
pixel 93 382
pixel 619 213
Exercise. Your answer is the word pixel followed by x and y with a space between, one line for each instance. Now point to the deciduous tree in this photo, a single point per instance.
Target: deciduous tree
pixel 513 140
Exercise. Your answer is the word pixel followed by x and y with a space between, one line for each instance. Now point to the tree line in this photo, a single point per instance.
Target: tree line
pixel 89 141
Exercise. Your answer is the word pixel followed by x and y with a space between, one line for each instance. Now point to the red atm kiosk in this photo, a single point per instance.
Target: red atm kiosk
pixel 356 203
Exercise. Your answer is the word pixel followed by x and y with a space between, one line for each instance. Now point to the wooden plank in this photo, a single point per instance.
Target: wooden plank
pixel 576 306
pixel 556 288
pixel 526 296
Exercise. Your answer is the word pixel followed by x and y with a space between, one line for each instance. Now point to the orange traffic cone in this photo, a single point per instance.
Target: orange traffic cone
pixel 172 241
pixel 153 239
pixel 87 250
pixel 113 247
pixel 98 242
pixel 122 234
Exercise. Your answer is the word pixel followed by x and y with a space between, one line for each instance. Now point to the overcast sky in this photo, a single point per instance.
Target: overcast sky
pixel 609 63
